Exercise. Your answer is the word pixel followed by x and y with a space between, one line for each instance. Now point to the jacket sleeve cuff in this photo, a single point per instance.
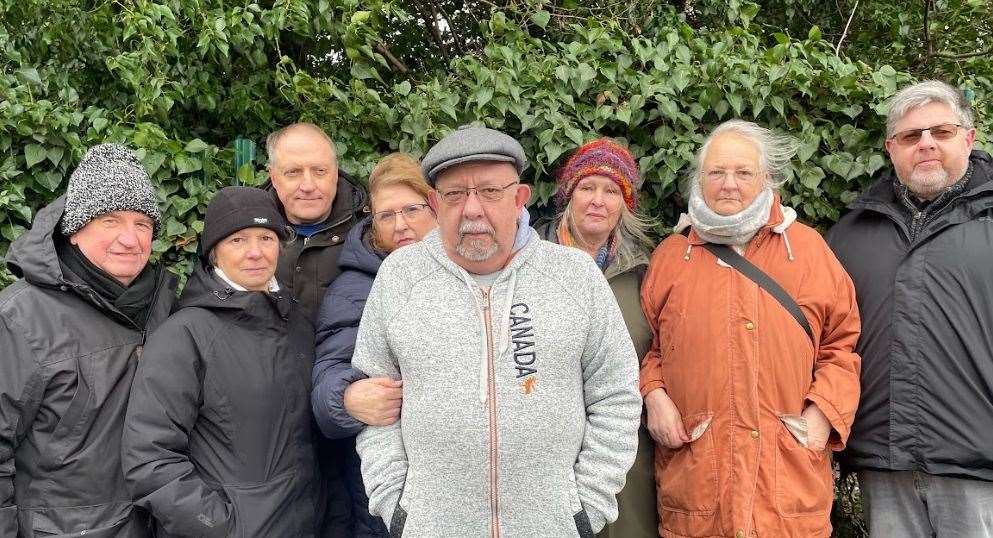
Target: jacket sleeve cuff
pixel 339 424
pixel 839 428
pixel 651 385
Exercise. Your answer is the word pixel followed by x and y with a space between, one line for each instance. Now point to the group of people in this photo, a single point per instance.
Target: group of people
pixel 421 358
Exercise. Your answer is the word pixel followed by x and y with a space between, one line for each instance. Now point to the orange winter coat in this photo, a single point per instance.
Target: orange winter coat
pixel 739 368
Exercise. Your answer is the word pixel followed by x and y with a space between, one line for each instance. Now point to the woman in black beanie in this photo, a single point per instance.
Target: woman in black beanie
pixel 217 439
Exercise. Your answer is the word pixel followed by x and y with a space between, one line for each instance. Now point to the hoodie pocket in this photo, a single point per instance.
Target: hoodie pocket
pixel 99 521
pixel 398 521
pixel 583 526
pixel 689 476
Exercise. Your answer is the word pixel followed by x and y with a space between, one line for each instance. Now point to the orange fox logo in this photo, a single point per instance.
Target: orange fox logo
pixel 527 387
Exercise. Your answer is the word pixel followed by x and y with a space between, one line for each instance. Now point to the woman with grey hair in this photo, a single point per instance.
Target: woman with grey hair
pixel 748 389
pixel 597 200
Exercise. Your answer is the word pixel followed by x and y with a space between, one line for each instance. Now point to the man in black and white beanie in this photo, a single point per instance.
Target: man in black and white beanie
pixel 71 331
pixel 109 178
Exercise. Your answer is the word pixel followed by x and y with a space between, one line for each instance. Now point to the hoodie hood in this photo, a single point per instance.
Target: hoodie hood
pixel 357 254
pixel 32 256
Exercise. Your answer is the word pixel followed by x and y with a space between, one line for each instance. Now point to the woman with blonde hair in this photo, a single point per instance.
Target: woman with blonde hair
pixel 344 399
pixel 597 199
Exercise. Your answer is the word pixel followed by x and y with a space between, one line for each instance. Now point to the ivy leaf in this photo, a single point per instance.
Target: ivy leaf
pixel 196 146
pixel 34 154
pixel 541 18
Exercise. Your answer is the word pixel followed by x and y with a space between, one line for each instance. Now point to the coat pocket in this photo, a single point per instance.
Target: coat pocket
pixel 689 475
pixel 804 479
pixel 279 507
pixel 99 521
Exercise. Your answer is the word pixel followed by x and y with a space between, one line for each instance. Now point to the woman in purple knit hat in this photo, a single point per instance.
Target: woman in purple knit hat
pixel 597 212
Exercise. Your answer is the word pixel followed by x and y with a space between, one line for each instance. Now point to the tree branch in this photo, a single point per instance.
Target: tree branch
pixel 927 29
pixel 837 47
pixel 394 61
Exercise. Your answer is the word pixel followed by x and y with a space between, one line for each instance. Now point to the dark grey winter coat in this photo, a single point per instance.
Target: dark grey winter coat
pixel 218 438
pixel 67 358
pixel 925 292
pixel 337 326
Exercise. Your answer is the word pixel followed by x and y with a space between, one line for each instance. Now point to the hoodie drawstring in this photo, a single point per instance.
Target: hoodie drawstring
pixel 789 250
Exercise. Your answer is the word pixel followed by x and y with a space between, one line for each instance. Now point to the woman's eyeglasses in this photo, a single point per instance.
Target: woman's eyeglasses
pixel 410 213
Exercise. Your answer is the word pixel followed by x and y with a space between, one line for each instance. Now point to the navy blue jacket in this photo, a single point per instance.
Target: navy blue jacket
pixel 337 326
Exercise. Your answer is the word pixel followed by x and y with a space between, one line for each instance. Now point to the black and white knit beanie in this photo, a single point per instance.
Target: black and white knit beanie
pixel 109 178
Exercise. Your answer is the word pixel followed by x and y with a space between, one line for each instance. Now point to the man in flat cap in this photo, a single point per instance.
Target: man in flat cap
pixel 520 398
pixel 71 333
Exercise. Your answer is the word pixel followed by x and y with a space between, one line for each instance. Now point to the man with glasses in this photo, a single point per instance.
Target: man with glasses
pixel 520 398
pixel 919 247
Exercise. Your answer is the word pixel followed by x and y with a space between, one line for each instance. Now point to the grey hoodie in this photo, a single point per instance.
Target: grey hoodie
pixel 521 404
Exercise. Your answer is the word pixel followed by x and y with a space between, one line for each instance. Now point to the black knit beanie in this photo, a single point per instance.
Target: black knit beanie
pixel 237 208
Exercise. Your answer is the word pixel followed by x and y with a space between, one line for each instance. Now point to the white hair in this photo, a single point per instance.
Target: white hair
pixel 925 93
pixel 775 150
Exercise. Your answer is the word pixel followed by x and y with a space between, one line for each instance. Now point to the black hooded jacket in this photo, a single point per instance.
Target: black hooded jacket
pixel 924 283
pixel 67 358
pixel 218 438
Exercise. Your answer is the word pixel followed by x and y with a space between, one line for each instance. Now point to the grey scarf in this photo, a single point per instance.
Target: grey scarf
pixel 737 229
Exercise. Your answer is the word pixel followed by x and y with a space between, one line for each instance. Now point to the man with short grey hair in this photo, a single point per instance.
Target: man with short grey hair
pixel 520 399
pixel 917 245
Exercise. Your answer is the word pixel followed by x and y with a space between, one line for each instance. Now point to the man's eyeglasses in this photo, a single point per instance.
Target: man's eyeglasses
pixel 490 193
pixel 410 213
pixel 944 131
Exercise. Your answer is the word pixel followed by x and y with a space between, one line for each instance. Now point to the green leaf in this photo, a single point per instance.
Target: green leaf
pixel 814 34
pixel 811 176
pixel 173 228
pixel 185 165
pixel 99 123
pixel 34 154
pixel 55 154
pixel 624 113
pixel 29 74
pixel 196 146
pixel 403 88
pixel 541 18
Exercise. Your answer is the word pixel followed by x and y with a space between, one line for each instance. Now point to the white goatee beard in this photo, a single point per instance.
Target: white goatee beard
pixel 476 250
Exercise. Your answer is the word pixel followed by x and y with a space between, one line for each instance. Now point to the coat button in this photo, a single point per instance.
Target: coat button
pixel 755 434
pixel 749 326
pixel 334 238
pixel 299 268
pixel 739 534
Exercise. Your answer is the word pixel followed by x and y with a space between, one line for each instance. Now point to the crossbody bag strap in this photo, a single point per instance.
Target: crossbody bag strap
pixel 764 281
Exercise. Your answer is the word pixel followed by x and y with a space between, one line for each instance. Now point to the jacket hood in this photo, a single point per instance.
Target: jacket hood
pixel 32 256
pixel 204 290
pixel 881 192
pixel 357 254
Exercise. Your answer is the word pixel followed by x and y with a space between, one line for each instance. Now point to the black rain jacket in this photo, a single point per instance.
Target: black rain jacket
pixel 67 358
pixel 925 290
pixel 218 438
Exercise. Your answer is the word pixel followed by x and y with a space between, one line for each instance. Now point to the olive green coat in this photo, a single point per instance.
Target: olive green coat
pixel 637 512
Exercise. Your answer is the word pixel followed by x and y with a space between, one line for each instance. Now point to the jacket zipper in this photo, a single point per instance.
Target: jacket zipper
pixel 491 400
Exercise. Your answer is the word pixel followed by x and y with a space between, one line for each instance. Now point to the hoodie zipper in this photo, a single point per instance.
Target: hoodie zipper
pixel 491 403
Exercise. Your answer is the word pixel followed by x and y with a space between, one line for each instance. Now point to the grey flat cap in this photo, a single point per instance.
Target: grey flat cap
pixel 467 144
